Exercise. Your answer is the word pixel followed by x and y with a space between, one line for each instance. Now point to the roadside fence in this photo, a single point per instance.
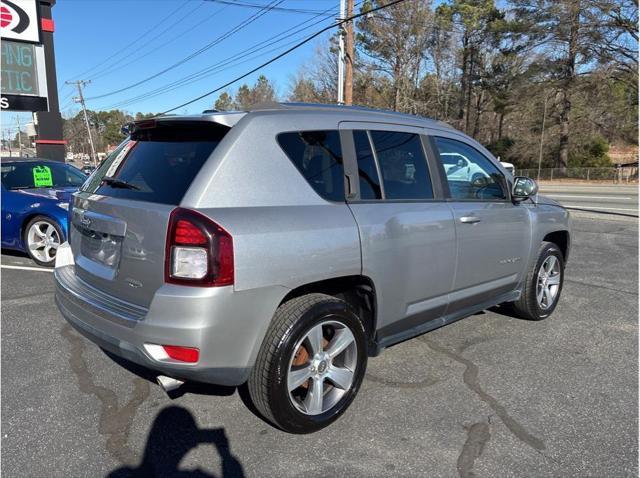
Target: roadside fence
pixel 606 175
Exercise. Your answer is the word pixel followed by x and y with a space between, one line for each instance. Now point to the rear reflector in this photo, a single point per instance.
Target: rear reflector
pixel 183 354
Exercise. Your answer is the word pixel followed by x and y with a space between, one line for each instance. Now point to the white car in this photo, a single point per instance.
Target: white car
pixel 509 167
pixel 459 168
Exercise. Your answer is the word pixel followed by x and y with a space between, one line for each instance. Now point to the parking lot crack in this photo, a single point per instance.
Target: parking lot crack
pixel 470 378
pixel 114 422
pixel 478 435
pixel 427 382
pixel 599 286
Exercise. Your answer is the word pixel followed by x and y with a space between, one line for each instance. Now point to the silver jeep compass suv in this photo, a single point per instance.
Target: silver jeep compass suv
pixel 282 246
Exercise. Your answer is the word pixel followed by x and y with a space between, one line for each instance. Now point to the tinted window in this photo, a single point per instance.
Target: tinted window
pixel 318 156
pixel 158 163
pixel 369 180
pixel 403 165
pixel 36 174
pixel 469 173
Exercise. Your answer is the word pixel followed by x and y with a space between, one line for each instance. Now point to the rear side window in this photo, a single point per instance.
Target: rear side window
pixel 318 157
pixel 157 164
pixel 367 172
pixel 403 165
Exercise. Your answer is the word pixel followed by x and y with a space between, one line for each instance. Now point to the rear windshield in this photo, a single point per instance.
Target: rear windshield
pixel 36 174
pixel 157 164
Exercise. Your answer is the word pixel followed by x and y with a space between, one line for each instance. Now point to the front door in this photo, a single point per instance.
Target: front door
pixel 493 233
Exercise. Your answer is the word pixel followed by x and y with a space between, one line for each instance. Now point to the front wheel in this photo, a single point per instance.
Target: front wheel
pixel 42 237
pixel 543 284
pixel 311 364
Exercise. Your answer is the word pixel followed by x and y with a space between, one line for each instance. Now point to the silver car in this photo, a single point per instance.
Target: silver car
pixel 281 247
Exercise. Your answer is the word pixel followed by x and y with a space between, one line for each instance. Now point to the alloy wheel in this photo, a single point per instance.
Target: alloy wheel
pixel 43 241
pixel 322 367
pixel 548 284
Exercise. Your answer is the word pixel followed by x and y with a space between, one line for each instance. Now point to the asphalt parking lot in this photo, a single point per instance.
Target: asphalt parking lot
pixel 487 396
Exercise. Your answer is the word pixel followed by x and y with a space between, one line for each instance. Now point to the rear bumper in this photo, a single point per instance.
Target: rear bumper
pixel 226 326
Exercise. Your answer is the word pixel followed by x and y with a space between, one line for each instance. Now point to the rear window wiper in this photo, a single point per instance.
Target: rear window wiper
pixel 118 183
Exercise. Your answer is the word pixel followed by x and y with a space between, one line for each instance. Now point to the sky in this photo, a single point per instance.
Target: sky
pixel 117 44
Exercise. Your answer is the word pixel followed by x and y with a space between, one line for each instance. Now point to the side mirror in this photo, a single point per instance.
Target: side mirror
pixel 523 188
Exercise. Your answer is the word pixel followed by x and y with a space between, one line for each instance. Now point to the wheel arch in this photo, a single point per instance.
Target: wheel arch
pixel 357 290
pixel 561 239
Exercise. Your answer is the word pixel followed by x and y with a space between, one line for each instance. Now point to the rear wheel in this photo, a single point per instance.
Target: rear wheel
pixel 311 364
pixel 42 237
pixel 543 284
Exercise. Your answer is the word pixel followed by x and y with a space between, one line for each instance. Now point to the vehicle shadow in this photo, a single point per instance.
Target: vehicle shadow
pixel 14 253
pixel 506 311
pixel 173 434
pixel 189 387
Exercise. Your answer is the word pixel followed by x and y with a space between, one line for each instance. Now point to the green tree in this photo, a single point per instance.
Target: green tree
pixel 572 37
pixel 263 91
pixel 224 102
pixel 478 23
pixel 243 99
pixel 395 40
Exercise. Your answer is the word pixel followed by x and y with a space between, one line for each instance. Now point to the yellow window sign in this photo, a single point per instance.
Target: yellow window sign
pixel 42 177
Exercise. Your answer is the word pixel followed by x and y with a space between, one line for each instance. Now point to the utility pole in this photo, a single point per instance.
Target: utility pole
pixel 80 99
pixel 544 117
pixel 343 7
pixel 19 137
pixel 348 83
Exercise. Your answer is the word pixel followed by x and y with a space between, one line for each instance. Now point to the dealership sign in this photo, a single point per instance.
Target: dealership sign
pixel 24 78
pixel 19 20
pixel 23 84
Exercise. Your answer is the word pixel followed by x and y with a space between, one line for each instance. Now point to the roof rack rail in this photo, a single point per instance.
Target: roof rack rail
pixel 335 106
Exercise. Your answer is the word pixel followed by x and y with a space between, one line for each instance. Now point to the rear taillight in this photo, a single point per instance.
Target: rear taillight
pixel 198 252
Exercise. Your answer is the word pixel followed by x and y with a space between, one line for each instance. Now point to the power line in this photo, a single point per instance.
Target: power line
pixel 109 69
pixel 257 6
pixel 129 44
pixel 232 60
pixel 286 52
pixel 211 44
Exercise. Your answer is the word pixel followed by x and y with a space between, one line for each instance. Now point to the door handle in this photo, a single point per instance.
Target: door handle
pixel 470 219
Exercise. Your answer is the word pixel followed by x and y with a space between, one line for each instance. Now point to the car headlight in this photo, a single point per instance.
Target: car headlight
pixel 63 205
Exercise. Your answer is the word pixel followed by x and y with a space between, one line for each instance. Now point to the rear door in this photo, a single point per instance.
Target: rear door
pixel 493 233
pixel 406 228
pixel 119 217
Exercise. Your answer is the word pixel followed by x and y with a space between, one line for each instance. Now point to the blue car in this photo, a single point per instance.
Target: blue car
pixel 35 204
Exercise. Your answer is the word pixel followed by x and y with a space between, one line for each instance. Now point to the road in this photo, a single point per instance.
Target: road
pixel 490 395
pixel 614 200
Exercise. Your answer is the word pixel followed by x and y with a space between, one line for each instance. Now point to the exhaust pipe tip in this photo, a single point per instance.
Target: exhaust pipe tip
pixel 168 384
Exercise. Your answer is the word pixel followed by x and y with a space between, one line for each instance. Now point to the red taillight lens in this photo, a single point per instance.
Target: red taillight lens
pixel 183 354
pixel 198 251
pixel 187 234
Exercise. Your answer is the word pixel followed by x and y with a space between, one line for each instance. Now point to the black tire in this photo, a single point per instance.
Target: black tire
pixel 528 307
pixel 268 380
pixel 25 232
